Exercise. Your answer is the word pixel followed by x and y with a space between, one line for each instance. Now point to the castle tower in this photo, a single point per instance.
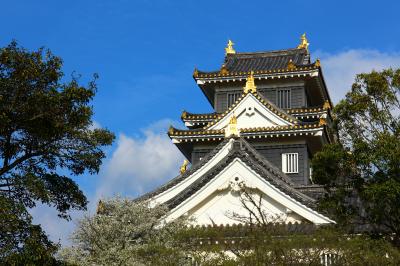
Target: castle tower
pixel 271 115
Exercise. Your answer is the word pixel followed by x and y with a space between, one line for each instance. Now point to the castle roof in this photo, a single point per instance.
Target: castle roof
pixel 187 184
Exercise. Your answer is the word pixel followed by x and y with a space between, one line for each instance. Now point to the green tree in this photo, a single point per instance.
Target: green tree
pixel 46 135
pixel 362 172
pixel 125 232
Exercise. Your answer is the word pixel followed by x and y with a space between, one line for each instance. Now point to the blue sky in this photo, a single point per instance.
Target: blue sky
pixel 145 53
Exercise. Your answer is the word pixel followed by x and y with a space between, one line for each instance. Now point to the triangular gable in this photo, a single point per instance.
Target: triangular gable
pixel 177 185
pixel 252 111
pixel 215 201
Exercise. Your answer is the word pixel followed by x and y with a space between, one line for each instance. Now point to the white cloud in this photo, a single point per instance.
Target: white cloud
pixel 140 163
pixel 340 69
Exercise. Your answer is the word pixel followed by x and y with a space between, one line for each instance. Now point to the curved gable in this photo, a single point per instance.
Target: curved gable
pixel 252 111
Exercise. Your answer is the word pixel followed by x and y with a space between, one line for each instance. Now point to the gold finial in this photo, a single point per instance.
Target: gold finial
pixel 322 122
pixel 327 105
pixel 223 70
pixel 195 73
pixel 250 85
pixel 229 48
pixel 100 207
pixel 232 130
pixel 184 166
pixel 291 66
pixel 317 63
pixel 170 130
pixel 303 42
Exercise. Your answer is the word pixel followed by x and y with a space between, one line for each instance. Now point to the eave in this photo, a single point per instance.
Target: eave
pixel 213 77
pixel 179 136
pixel 192 119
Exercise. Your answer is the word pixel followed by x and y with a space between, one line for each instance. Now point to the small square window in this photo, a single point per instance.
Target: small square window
pixel 290 163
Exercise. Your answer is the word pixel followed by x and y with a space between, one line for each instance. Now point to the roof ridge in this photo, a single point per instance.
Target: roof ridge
pixel 267 52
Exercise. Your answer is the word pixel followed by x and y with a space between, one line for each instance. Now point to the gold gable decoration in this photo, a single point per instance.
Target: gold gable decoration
pixel 232 130
pixel 250 85
pixel 303 42
pixel 183 167
pixel 229 48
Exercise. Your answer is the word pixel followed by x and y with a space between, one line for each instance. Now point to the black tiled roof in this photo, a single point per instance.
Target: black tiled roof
pixel 262 62
pixel 244 62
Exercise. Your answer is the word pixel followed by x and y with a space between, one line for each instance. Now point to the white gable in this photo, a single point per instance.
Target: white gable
pixel 251 113
pixel 214 202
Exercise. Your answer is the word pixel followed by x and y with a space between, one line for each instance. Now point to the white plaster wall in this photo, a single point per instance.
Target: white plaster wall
pixel 221 207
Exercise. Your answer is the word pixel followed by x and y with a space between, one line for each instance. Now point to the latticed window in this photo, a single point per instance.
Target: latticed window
pixel 290 163
pixel 232 97
pixel 283 100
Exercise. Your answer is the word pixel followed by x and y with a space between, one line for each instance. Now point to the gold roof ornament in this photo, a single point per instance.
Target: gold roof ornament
pixel 322 121
pixel 100 207
pixel 195 73
pixel 250 85
pixel 224 70
pixel 317 63
pixel 291 66
pixel 229 48
pixel 170 130
pixel 232 130
pixel 183 167
pixel 327 105
pixel 303 42
pixel 184 114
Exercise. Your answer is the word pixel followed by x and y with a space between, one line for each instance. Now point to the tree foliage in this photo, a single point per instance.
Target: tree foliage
pixel 362 172
pixel 46 135
pixel 322 247
pixel 125 232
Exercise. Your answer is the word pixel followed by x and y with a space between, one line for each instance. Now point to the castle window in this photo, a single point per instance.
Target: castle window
pixel 232 97
pixel 290 163
pixel 283 100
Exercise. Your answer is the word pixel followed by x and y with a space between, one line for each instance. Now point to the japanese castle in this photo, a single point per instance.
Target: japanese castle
pixel 272 113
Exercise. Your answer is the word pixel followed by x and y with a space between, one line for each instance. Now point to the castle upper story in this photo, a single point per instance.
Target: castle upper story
pixel 287 78
pixel 276 100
